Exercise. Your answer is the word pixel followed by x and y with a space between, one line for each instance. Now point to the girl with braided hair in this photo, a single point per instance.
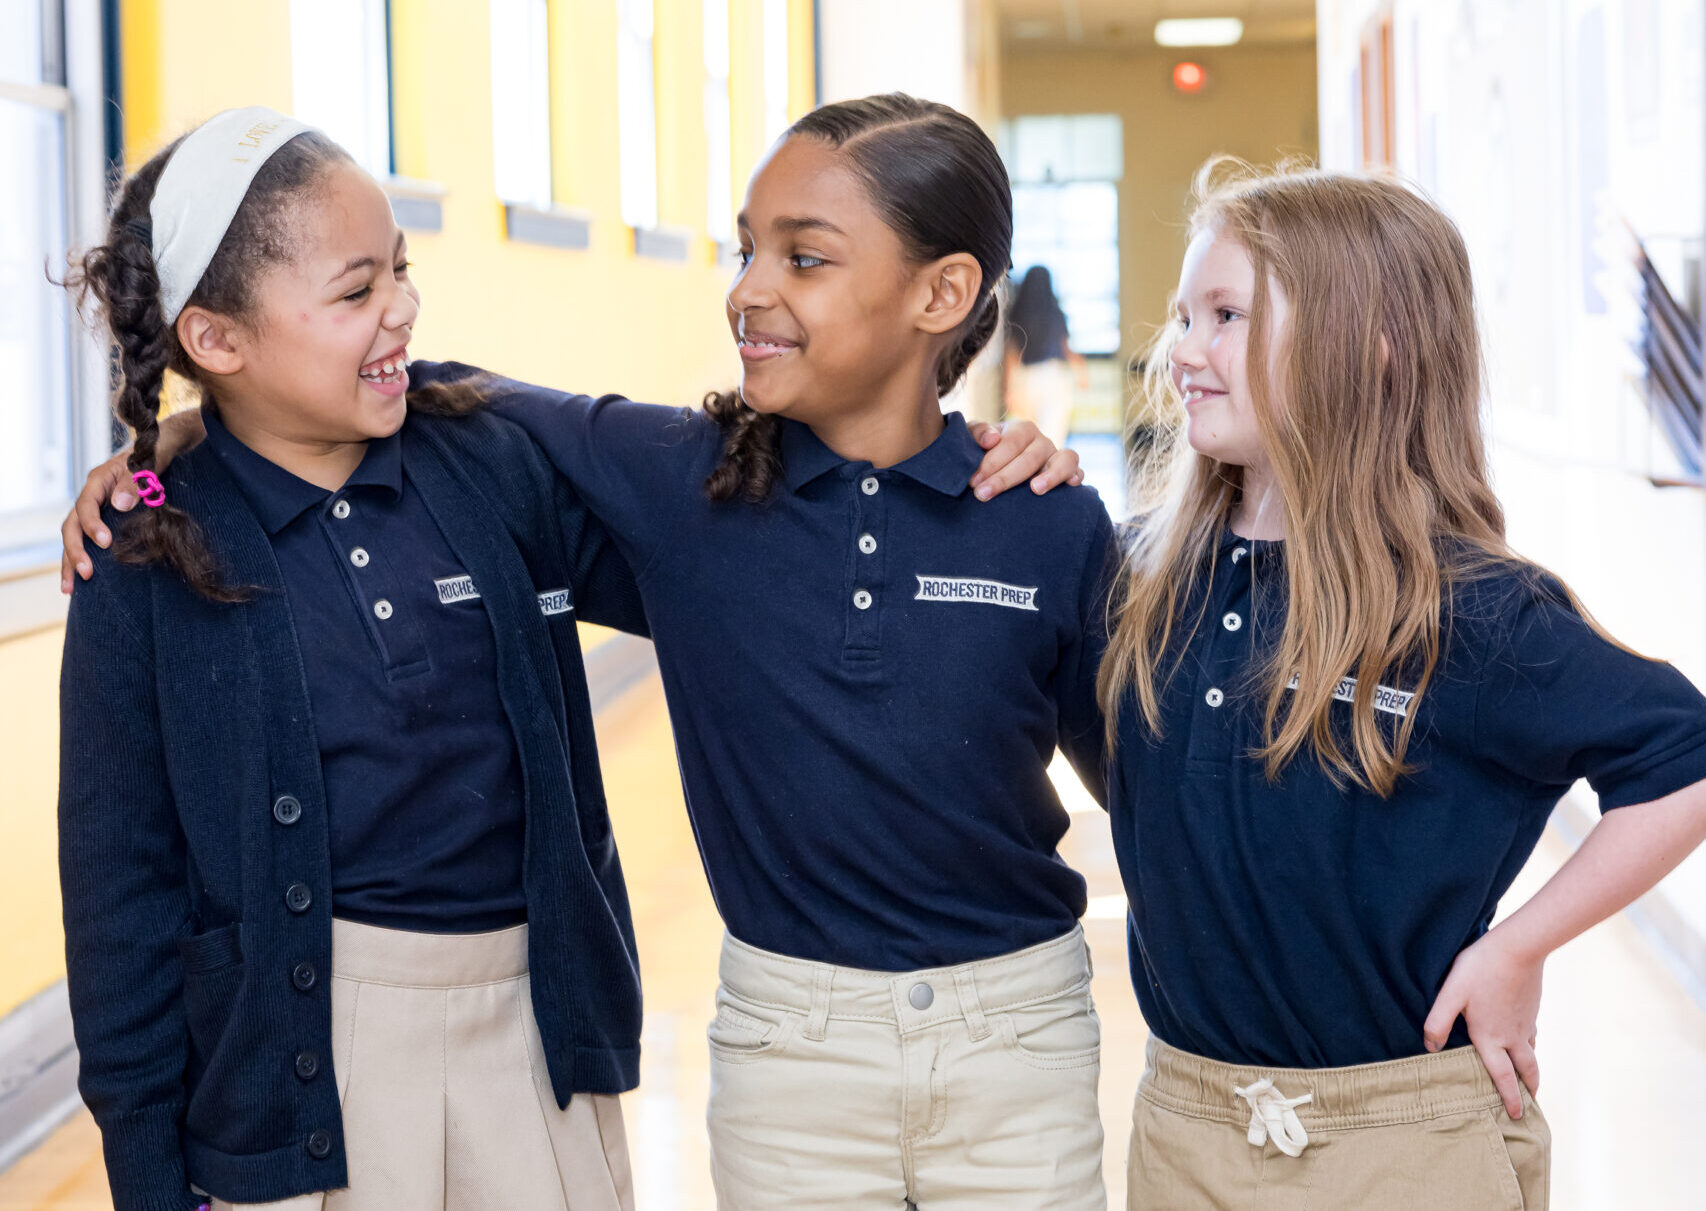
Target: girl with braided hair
pixel 320 819
pixel 868 670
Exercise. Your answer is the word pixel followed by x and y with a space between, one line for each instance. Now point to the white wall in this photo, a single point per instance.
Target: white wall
pixel 1542 126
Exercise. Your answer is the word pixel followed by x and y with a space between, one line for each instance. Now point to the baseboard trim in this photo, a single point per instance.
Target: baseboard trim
pixel 38 1072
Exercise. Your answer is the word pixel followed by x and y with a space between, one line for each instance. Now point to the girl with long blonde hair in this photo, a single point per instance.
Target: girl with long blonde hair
pixel 1342 709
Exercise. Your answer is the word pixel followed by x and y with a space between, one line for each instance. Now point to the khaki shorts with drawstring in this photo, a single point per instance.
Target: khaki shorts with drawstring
pixel 1420 1134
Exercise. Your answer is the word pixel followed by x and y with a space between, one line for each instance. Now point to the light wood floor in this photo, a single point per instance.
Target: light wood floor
pixel 1623 1051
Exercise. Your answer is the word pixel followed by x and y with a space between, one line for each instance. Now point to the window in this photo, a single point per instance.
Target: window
pixel 340 75
pixel 521 101
pixel 51 138
pixel 719 156
pixel 636 115
pixel 1065 172
pixel 775 69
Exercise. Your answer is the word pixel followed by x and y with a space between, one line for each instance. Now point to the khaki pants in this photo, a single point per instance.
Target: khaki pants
pixel 957 1089
pixel 447 1105
pixel 1420 1134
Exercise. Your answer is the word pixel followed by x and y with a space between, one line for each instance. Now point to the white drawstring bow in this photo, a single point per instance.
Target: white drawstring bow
pixel 1272 1114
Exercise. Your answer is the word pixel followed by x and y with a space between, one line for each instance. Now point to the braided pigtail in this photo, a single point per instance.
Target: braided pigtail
pixel 957 359
pixel 120 276
pixel 752 452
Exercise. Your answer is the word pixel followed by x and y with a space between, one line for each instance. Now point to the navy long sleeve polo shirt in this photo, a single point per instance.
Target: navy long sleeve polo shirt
pixel 423 779
pixel 1295 924
pixel 868 674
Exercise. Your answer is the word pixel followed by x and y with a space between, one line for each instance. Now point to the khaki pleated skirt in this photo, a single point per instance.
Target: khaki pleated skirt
pixel 447 1103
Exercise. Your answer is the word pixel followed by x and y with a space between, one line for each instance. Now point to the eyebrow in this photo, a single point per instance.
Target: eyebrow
pixel 794 225
pixel 362 262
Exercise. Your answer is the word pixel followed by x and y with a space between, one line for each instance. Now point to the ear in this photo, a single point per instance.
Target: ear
pixel 953 284
pixel 213 342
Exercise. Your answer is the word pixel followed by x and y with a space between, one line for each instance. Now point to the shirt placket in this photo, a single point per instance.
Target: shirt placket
pixel 867 581
pixel 1225 658
pixel 353 534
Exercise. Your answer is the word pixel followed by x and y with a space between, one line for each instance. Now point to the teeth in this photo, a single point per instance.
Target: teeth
pixel 388 371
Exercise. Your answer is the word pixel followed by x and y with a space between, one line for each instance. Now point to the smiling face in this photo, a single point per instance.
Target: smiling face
pixel 823 304
pixel 323 355
pixel 1217 285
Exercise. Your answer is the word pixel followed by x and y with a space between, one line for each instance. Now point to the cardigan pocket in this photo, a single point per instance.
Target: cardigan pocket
pixel 233 1105
pixel 213 973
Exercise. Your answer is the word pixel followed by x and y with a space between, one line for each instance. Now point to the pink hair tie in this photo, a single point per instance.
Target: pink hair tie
pixel 148 484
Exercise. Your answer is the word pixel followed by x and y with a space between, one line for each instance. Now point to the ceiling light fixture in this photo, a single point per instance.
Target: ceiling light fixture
pixel 1204 31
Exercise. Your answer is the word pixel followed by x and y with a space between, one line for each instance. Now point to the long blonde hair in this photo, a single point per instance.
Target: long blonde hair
pixel 1376 450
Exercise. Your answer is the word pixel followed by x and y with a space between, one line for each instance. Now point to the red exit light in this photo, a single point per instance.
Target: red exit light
pixel 1189 77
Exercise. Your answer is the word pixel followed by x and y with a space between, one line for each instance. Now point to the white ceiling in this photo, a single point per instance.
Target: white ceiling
pixel 1089 24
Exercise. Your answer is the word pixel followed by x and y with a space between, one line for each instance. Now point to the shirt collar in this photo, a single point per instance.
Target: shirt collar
pixel 279 497
pixel 1263 549
pixel 945 465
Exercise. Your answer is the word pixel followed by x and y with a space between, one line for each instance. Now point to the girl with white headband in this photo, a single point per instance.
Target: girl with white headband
pixel 343 912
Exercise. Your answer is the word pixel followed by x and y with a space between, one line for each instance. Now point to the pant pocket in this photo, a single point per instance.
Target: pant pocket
pixel 1063 1032
pixel 1527 1144
pixel 744 1032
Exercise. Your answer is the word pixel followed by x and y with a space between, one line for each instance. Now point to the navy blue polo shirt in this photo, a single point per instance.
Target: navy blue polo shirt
pixel 1294 924
pixel 868 674
pixel 423 778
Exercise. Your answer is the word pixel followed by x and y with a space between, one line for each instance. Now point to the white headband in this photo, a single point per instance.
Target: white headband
pixel 200 190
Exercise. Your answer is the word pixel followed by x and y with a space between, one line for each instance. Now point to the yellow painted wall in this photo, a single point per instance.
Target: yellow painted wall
pixel 1260 104
pixel 598 320
pixel 32 954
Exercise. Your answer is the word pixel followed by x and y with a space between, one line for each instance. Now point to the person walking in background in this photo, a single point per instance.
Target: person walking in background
pixel 1039 351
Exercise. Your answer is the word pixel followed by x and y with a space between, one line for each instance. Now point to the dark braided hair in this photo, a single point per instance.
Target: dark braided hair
pixel 121 277
pixel 938 181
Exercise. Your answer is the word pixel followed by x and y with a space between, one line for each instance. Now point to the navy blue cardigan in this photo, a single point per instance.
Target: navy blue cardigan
pixel 191 799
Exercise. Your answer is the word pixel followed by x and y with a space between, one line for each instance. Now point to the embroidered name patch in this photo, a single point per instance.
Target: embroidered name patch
pixel 453 589
pixel 555 602
pixel 967 588
pixel 456 588
pixel 1393 702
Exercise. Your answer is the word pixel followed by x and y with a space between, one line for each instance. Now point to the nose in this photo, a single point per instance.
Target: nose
pixel 402 308
pixel 1187 351
pixel 751 290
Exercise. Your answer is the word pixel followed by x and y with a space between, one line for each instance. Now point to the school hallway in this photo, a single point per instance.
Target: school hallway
pixel 1622 1046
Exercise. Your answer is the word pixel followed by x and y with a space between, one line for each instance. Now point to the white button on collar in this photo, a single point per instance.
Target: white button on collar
pixel 862 600
pixel 1232 622
pixel 868 485
pixel 867 544
pixel 1214 697
pixel 1239 553
pixel 358 557
pixel 382 609
pixel 341 510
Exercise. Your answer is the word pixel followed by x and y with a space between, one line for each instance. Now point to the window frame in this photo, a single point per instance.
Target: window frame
pixel 30 548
